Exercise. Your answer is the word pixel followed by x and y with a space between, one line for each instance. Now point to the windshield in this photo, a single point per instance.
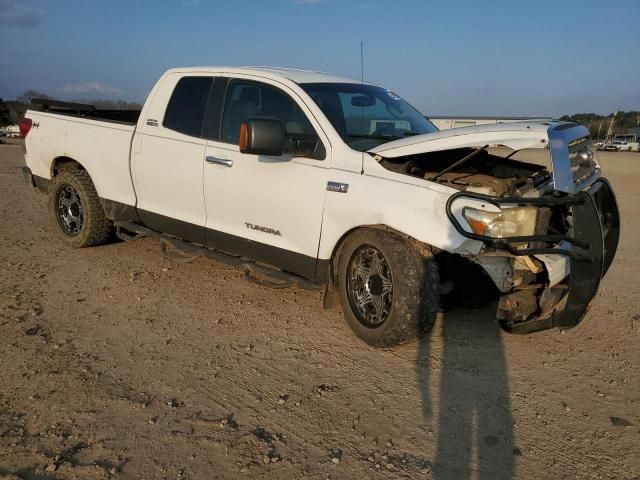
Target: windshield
pixel 366 116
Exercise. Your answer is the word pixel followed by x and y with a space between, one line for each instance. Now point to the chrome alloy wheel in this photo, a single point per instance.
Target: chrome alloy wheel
pixel 369 286
pixel 69 211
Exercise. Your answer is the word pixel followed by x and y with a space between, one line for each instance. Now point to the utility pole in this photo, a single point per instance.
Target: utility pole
pixel 610 130
pixel 599 128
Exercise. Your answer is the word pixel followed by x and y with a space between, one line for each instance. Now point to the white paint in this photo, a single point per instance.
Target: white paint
pixel 101 147
pixel 166 172
pixel 167 165
pixel 445 123
pixel 516 135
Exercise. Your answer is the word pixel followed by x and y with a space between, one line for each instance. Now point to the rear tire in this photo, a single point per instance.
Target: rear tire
pixel 388 288
pixel 75 210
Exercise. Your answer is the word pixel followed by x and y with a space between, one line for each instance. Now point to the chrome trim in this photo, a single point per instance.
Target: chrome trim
pixel 560 136
pixel 337 187
pixel 219 161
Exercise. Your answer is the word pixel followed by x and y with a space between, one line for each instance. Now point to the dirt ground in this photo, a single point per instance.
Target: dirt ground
pixel 125 362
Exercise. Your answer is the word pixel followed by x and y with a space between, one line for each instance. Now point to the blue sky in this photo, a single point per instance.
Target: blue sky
pixel 447 57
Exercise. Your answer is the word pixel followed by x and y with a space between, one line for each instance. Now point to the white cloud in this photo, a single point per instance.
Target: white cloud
pixel 16 15
pixel 92 87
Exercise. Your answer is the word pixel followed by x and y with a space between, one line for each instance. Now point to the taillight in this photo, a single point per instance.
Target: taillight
pixel 25 126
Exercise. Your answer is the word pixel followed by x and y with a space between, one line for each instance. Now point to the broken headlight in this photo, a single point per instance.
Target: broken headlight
pixel 509 222
pixel 583 160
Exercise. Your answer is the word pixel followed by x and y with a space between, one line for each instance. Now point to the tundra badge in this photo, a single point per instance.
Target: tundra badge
pixel 270 230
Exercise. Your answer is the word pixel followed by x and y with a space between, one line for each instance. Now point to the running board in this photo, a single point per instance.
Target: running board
pixel 251 270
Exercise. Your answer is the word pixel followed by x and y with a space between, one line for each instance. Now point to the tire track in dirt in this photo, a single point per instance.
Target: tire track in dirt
pixel 161 360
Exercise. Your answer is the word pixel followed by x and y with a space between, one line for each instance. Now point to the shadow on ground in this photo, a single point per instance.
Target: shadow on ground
pixel 473 423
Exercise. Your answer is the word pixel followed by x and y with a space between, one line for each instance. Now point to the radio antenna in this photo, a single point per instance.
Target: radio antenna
pixel 362 107
pixel 362 61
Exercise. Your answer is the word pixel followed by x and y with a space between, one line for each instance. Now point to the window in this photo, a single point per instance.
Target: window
pixel 366 116
pixel 247 100
pixel 187 105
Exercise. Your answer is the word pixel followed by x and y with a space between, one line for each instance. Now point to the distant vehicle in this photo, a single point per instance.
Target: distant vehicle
pixel 620 143
pixel 613 146
pixel 334 184
pixel 11 131
pixel 628 143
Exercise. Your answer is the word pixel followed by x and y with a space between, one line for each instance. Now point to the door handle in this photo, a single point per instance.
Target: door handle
pixel 219 161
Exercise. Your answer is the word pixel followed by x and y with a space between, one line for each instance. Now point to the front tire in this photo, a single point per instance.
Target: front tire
pixel 75 210
pixel 388 287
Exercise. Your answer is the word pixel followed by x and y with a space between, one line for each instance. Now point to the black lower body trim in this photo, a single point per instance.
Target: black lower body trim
pixel 183 230
pixel 276 278
pixel 286 260
pixel 119 211
pixel 39 183
pixel 299 264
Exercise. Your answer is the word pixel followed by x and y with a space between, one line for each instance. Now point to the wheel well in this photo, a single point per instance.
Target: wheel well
pixel 61 164
pixel 335 255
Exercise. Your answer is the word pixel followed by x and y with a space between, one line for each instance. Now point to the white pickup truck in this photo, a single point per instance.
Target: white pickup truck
pixel 322 181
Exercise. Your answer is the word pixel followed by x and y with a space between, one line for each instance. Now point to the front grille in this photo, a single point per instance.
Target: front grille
pixel 583 160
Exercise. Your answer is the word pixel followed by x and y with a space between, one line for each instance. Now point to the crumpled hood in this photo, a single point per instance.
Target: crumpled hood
pixel 515 135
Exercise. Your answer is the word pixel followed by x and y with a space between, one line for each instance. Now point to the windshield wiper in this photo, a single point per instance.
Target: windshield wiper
pixel 375 137
pixel 385 137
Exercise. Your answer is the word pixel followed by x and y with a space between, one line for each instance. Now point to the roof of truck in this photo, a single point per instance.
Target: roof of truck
pixel 293 74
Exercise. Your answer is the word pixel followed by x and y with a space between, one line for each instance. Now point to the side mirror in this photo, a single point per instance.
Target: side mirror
pixel 262 136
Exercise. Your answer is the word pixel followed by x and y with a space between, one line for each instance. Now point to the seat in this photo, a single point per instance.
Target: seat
pixel 246 106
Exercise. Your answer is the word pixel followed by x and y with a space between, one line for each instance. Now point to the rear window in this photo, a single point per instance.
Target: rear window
pixel 187 105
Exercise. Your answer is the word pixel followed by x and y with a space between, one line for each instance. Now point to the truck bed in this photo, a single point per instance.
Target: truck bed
pixel 99 140
pixel 129 117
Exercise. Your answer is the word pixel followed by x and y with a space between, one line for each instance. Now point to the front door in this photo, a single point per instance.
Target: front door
pixel 266 208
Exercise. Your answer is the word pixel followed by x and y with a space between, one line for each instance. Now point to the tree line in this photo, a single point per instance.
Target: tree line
pixel 599 124
pixel 12 112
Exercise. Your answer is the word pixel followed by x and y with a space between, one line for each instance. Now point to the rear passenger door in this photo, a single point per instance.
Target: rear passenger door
pixel 168 155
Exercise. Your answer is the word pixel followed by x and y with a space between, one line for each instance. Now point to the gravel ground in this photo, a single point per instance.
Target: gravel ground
pixel 126 362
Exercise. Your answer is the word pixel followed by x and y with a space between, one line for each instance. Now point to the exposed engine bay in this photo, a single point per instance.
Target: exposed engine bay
pixel 544 240
pixel 524 283
pixel 483 173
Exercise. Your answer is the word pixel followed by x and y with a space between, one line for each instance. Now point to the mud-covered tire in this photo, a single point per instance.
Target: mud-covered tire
pixel 415 287
pixel 96 228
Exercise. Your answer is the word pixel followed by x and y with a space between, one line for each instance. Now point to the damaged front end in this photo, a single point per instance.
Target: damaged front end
pixel 545 236
pixel 546 253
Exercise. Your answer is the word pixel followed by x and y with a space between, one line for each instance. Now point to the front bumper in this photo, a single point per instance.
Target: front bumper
pixel 590 250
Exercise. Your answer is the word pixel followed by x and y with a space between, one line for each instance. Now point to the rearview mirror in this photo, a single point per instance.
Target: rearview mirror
pixel 262 136
pixel 363 101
